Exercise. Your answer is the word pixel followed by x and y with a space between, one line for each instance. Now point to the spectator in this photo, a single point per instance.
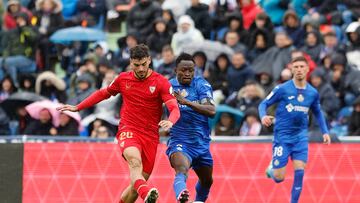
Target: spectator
pixel 313 45
pixel 291 26
pixel 219 11
pixel 329 102
pixel 266 81
pixel 249 10
pixel 13 8
pixel 238 73
pixel 233 41
pixel 167 67
pixel 7 88
pixel 218 78
pixel 234 23
pixel 262 22
pixel 51 86
pixel 19 49
pixel 248 97
pixel 226 125
pixel 353 47
pixel 186 34
pixel 141 17
pixel 178 8
pixel 259 42
pixel 84 87
pixel 27 83
pixel 199 12
pixel 47 19
pixel 101 132
pixel 169 18
pixel 354 122
pixel 330 44
pixel 202 65
pixel 41 126
pixel 123 54
pixel 251 125
pixel 160 37
pixel 104 66
pixel 67 126
pixel 344 79
pixel 90 12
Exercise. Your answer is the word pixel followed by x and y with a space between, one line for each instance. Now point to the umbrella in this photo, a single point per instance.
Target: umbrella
pixel 34 109
pixel 238 115
pixel 212 49
pixel 77 33
pixel 19 99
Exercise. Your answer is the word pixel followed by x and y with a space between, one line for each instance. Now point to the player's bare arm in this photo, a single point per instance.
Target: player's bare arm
pixel 67 107
pixel 267 120
pixel 206 108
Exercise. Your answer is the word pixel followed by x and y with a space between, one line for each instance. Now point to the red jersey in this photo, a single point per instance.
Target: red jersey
pixel 142 101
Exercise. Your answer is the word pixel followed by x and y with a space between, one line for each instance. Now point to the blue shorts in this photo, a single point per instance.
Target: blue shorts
pixel 282 151
pixel 198 155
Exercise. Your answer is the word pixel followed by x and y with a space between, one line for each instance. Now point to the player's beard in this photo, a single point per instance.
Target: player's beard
pixel 142 76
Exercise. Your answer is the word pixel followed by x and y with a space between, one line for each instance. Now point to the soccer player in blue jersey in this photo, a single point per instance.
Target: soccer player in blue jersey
pixel 189 143
pixel 294 97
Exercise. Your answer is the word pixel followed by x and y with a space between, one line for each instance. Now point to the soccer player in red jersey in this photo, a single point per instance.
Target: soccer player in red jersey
pixel 143 91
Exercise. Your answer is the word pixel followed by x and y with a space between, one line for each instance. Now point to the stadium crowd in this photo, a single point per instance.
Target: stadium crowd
pixel 243 48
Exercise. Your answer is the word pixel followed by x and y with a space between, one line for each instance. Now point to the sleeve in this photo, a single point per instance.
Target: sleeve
pixel 114 87
pixel 316 109
pixel 205 92
pixel 166 90
pixel 273 97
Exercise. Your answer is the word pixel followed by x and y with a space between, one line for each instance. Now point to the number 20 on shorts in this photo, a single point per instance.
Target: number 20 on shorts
pixel 125 135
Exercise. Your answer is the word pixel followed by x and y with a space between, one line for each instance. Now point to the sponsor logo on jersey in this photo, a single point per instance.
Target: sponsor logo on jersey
pixel 179 147
pixel 171 90
pixel 291 97
pixel 152 89
pixel 291 108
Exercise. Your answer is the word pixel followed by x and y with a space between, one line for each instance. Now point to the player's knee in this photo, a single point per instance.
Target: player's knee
pixel 181 169
pixel 134 163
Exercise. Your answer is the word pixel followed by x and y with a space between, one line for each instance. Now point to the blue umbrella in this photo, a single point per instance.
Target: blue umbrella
pixel 238 115
pixel 77 33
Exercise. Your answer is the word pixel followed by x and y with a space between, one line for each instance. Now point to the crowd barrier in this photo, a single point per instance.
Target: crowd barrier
pixel 96 172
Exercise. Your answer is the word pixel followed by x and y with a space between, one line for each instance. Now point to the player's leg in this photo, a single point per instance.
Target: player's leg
pixel 277 168
pixel 299 156
pixel 181 165
pixel 130 195
pixel 134 160
pixel 204 184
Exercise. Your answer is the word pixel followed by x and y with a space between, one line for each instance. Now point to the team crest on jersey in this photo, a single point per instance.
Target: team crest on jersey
pixel 300 98
pixel 276 162
pixel 184 93
pixel 152 89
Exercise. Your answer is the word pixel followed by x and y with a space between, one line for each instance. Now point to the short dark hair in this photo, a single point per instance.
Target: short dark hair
pixel 139 52
pixel 184 56
pixel 300 58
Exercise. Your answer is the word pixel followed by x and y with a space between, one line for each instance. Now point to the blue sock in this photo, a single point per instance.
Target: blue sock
pixel 179 183
pixel 273 177
pixel 201 192
pixel 297 185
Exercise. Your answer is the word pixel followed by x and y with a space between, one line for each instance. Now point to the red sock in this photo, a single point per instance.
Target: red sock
pixel 141 188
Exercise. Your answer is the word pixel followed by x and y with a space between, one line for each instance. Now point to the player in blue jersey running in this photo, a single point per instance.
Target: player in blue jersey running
pixel 189 143
pixel 294 97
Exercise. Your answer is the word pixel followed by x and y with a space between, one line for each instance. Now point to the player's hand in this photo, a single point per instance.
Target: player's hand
pixel 67 107
pixel 179 98
pixel 165 124
pixel 267 120
pixel 327 139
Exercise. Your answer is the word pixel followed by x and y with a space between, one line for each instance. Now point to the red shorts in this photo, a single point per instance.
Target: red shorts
pixel 147 147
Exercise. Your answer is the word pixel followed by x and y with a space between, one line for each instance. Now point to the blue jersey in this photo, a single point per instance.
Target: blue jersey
pixel 192 127
pixel 291 118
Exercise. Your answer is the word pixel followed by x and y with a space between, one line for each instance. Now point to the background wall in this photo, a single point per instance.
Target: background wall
pixel 96 172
